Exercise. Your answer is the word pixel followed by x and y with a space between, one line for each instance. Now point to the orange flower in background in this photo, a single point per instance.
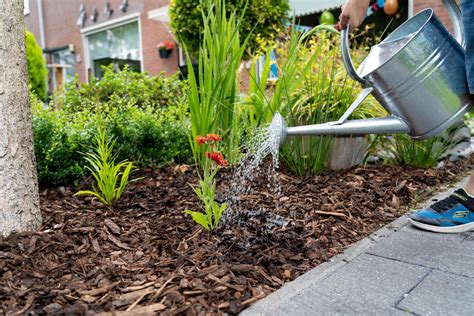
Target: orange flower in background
pixel 200 140
pixel 209 139
pixel 213 137
pixel 223 163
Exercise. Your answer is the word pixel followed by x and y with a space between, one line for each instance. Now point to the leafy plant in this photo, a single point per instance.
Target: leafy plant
pixel 312 88
pixel 262 19
pixel 151 138
pixel 214 88
pixel 206 191
pixel 111 178
pixel 36 66
pixel 56 144
pixel 122 88
pixel 403 150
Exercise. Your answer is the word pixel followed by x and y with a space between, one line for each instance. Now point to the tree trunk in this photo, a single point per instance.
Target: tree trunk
pixel 19 198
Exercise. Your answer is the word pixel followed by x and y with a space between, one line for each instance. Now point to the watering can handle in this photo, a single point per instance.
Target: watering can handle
pixel 346 58
pixel 456 18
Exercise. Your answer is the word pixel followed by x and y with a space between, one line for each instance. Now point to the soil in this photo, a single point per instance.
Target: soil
pixel 146 256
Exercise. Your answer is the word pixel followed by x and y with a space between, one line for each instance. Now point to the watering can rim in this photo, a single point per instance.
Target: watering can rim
pixel 454 13
pixel 412 37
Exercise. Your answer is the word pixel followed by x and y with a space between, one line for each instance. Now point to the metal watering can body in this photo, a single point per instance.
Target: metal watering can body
pixel 417 74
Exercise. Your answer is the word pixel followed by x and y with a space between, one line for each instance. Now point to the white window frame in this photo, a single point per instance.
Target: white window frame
pixel 26 7
pixel 131 18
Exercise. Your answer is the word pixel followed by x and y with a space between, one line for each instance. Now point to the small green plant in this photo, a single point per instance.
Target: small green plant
pixel 403 150
pixel 112 178
pixel 206 191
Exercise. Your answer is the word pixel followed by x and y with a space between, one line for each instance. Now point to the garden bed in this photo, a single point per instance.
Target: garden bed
pixel 147 255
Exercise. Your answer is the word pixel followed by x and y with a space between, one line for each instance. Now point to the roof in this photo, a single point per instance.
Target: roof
pixel 306 7
pixel 160 14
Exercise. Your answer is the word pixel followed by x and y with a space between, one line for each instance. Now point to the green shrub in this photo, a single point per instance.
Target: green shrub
pixel 262 20
pixel 130 87
pixel 149 138
pixel 56 146
pixel 36 66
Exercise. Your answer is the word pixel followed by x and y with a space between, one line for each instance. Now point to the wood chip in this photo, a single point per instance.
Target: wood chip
pixel 112 226
pixel 331 213
pixel 100 290
pixel 216 279
pixel 118 242
pixel 135 294
pixel 137 287
pixel 138 310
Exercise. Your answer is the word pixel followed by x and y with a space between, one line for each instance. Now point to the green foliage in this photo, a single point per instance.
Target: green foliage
pixel 124 87
pixel 151 138
pixel 111 178
pixel 214 89
pixel 149 132
pixel 36 66
pixel 56 145
pixel 212 210
pixel 261 19
pixel 403 150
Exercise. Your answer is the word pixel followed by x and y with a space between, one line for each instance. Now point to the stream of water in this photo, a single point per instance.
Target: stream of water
pixel 264 142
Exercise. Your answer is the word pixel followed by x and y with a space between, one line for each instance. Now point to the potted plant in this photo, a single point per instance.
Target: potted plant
pixel 165 48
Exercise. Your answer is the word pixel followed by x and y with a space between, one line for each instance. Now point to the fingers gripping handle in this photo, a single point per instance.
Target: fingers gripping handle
pixel 346 57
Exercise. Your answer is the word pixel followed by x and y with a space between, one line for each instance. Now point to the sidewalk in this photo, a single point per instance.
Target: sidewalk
pixel 399 270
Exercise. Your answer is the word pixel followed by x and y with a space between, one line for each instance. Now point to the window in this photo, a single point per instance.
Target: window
pixel 26 7
pixel 64 58
pixel 118 46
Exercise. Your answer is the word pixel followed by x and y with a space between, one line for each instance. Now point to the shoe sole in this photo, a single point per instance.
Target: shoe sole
pixel 439 229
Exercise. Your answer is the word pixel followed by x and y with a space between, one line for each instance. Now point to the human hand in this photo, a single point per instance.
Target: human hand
pixel 353 14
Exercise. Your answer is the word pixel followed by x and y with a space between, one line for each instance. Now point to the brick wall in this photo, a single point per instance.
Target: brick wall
pixel 60 18
pixel 437 6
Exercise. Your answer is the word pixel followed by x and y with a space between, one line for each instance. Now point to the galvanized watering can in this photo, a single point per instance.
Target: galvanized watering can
pixel 417 74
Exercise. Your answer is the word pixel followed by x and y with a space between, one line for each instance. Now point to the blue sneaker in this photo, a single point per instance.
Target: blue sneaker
pixel 451 215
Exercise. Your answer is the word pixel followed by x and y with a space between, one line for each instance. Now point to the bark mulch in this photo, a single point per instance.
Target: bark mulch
pixel 147 256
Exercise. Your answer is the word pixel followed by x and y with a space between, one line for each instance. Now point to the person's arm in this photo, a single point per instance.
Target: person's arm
pixel 353 14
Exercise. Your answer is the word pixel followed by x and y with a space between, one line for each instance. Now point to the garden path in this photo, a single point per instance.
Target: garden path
pixel 398 270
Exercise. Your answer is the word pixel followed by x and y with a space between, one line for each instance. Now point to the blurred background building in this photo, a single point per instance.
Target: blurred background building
pixel 80 36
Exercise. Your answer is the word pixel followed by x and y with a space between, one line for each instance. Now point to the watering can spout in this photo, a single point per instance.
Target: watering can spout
pixel 386 125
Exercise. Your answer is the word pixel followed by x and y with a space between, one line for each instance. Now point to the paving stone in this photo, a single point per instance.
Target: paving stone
pixel 369 285
pixel 445 252
pixel 441 293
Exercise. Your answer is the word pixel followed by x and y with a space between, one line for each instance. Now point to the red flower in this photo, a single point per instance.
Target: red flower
pixel 213 137
pixel 200 140
pixel 165 45
pixel 222 162
pixel 217 158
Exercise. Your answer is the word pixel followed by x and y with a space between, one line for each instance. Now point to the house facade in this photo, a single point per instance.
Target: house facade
pixel 77 35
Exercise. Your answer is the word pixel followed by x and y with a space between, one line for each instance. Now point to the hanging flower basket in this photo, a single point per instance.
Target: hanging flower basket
pixel 165 48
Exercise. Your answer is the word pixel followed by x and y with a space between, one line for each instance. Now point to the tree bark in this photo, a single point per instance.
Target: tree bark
pixel 19 198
